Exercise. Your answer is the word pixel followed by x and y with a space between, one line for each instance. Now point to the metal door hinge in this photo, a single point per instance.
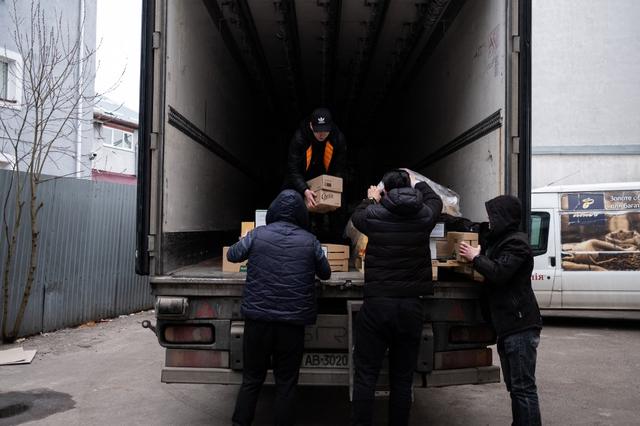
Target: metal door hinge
pixel 151 244
pixel 515 43
pixel 156 40
pixel 515 145
pixel 153 141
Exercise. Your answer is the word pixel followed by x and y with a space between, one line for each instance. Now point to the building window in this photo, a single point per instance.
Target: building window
pixel 118 138
pixel 10 79
pixel 539 232
pixel 4 80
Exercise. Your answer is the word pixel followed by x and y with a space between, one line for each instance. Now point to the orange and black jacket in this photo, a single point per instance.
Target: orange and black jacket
pixel 309 158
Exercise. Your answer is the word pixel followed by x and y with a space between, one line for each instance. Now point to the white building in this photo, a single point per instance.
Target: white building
pixel 69 154
pixel 115 143
pixel 585 91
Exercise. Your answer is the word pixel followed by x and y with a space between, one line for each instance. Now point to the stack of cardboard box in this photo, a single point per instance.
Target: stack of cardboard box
pixel 245 228
pixel 448 253
pixel 328 191
pixel 338 256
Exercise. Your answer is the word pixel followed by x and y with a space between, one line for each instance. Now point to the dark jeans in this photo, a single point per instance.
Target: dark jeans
pixel 518 359
pixel 386 323
pixel 269 344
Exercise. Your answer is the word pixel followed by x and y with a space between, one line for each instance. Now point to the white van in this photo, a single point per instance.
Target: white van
pixel 586 242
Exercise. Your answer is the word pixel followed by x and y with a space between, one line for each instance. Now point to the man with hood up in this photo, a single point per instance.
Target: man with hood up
pixel 506 261
pixel 317 148
pixel 398 223
pixel 278 302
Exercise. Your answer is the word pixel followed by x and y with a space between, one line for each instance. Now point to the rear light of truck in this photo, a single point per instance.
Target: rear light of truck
pixel 463 359
pixel 200 334
pixel 197 358
pixel 472 334
pixel 171 307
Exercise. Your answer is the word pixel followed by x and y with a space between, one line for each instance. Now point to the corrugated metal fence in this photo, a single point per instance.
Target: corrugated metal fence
pixel 86 266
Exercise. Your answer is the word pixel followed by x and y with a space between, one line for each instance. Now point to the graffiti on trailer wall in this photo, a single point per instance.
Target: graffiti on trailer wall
pixel 600 231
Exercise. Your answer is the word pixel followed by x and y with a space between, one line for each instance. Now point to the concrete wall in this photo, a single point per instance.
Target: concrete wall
pixel 586 91
pixel 461 84
pixel 62 161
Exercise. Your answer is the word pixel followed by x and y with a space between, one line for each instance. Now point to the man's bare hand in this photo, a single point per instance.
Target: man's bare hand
pixel 310 198
pixel 374 193
pixel 468 252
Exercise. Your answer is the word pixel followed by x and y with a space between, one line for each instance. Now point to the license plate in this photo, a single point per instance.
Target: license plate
pixel 325 360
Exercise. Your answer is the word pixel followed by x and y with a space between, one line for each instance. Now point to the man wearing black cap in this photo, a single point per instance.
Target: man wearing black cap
pixel 317 148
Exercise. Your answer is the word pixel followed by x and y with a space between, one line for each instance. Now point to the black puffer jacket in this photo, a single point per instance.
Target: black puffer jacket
pixel 297 171
pixel 398 262
pixel 284 259
pixel 506 262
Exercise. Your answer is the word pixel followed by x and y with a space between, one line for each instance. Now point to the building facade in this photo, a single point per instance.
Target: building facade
pixel 585 91
pixel 73 21
pixel 115 143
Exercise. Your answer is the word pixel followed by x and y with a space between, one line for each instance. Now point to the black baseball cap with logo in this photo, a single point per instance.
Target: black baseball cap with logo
pixel 321 120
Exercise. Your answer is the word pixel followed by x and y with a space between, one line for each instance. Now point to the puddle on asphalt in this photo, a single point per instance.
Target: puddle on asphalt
pixel 37 404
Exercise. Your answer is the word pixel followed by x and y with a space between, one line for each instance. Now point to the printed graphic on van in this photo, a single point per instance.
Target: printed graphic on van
pixel 600 231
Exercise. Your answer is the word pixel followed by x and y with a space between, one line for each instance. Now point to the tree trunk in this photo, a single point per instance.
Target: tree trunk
pixel 33 259
pixel 6 273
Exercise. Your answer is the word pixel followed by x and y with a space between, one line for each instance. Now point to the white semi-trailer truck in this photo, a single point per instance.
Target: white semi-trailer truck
pixel 439 86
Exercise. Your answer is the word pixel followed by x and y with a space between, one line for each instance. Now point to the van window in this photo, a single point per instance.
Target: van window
pixel 539 232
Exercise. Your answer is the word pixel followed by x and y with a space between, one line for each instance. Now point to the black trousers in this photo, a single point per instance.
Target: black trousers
pixel 275 345
pixel 381 324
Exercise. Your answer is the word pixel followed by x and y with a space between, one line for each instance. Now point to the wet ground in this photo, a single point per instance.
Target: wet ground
pixel 109 374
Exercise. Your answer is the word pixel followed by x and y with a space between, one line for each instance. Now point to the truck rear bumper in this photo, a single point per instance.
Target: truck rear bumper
pixel 332 377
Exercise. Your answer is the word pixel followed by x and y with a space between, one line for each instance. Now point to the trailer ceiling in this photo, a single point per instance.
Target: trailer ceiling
pixel 348 55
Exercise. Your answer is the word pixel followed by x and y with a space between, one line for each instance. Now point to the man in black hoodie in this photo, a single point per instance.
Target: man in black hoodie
pixel 318 147
pixel 506 262
pixel 398 222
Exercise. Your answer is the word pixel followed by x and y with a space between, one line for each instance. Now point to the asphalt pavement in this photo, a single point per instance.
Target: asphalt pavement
pixel 108 373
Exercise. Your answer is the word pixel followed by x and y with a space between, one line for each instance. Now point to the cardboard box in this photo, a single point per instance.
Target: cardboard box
pixel 232 267
pixel 261 218
pixel 455 238
pixel 325 182
pixel 340 265
pixel 335 251
pixel 327 201
pixel 245 227
pixel 444 250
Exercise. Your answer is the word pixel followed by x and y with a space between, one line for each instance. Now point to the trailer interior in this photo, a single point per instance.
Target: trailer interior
pixel 438 86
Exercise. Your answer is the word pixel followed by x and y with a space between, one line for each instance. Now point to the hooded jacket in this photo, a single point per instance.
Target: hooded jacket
pixel 309 158
pixel 506 262
pixel 284 259
pixel 398 256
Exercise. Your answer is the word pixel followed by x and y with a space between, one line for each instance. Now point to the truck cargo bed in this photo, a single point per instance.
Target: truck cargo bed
pixel 207 279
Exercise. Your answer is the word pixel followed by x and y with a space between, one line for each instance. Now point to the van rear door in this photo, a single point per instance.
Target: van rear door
pixel 545 278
